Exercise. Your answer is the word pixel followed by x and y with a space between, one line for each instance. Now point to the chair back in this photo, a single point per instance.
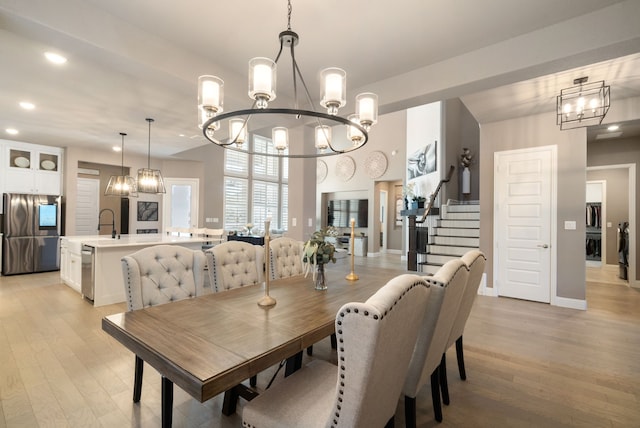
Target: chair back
pixel 475 262
pixel 373 357
pixel 213 237
pixel 285 258
pixel 447 287
pixel 234 264
pixel 162 274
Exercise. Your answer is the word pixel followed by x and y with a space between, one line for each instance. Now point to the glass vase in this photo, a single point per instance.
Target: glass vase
pixel 320 279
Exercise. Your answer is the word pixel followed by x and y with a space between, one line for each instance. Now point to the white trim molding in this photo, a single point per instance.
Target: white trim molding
pixel 565 302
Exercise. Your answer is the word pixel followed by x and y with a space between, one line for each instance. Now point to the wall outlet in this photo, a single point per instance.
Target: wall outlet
pixel 310 222
pixel 294 221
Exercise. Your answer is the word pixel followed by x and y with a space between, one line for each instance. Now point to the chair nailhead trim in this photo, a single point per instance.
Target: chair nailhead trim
pixel 339 332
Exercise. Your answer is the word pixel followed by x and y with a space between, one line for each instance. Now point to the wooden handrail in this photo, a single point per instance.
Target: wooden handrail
pixel 434 195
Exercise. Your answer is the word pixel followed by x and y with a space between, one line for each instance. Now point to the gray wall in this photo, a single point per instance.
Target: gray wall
pixel 535 131
pixel 461 130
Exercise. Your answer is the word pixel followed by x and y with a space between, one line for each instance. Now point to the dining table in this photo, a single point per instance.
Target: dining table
pixel 210 344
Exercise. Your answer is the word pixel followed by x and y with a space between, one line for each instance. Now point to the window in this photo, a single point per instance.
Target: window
pixel 255 188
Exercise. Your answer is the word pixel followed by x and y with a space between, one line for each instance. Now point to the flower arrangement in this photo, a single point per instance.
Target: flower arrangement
pixel 317 251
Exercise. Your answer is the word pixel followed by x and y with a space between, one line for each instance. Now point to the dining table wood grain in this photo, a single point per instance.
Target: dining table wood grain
pixel 209 344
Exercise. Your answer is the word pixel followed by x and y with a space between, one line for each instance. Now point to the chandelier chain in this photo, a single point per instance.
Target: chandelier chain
pixel 289 8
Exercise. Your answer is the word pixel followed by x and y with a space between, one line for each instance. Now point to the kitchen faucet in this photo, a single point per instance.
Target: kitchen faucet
pixel 113 222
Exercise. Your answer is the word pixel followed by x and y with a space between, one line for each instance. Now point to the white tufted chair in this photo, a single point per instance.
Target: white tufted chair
pixel 447 287
pixel 157 275
pixel 475 261
pixel 234 264
pixel 363 390
pixel 285 258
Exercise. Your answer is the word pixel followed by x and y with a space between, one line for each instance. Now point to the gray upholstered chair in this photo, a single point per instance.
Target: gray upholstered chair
pixel 363 390
pixel 158 275
pixel 234 264
pixel 475 261
pixel 285 259
pixel 447 287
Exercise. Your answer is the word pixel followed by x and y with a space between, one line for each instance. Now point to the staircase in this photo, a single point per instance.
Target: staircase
pixel 455 232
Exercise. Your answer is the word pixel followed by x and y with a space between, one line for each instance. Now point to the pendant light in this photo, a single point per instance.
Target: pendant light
pixel 150 180
pixel 121 185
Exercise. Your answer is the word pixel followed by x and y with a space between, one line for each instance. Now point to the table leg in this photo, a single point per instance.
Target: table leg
pixel 293 363
pixel 167 402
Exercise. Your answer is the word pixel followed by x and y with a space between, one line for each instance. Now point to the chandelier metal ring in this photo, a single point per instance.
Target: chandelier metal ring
pixel 285 111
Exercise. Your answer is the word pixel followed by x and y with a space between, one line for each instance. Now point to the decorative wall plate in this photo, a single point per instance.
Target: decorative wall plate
pixel 345 168
pixel 321 171
pixel 48 165
pixel 21 162
pixel 375 164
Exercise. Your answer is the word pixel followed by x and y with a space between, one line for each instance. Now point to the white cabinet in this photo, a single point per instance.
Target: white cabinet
pixel 32 169
pixel 71 264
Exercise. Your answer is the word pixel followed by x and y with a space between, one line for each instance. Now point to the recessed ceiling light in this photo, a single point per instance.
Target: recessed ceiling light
pixel 613 128
pixel 181 135
pixel 55 58
pixel 116 148
pixel 27 105
pixel 11 131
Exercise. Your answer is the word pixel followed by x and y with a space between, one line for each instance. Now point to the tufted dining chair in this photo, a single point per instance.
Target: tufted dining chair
pixel 234 264
pixel 158 275
pixel 475 261
pixel 285 258
pixel 363 390
pixel 447 287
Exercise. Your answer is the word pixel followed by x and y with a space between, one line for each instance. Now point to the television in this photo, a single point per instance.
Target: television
pixel 48 216
pixel 341 211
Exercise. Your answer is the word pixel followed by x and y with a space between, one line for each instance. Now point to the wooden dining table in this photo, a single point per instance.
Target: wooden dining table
pixel 210 344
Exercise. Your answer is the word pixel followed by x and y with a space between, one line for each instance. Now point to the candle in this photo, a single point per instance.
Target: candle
pixel 353 222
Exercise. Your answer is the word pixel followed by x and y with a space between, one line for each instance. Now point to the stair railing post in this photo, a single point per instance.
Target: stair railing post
pixel 412 254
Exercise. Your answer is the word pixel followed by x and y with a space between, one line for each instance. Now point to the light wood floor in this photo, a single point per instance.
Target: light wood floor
pixel 528 364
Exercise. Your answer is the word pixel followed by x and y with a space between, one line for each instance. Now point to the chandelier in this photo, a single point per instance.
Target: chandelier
pixel 121 185
pixel 582 105
pixel 236 125
pixel 150 180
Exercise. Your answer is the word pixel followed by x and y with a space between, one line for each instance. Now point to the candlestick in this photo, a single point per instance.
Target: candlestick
pixel 267 300
pixel 352 276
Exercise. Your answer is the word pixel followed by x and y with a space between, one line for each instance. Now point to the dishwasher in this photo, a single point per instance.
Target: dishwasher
pixel 88 278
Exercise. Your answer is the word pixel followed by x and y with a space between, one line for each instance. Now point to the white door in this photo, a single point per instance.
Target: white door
pixel 524 192
pixel 180 203
pixel 88 206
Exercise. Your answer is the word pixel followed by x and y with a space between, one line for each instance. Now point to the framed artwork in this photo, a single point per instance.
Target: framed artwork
pixel 146 231
pixel 422 161
pixel 147 211
pixel 399 200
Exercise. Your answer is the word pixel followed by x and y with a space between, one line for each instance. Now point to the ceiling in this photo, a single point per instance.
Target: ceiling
pixel 129 60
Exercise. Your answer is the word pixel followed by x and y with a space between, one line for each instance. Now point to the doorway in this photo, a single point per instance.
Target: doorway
pixel 384 197
pixel 620 207
pixel 180 203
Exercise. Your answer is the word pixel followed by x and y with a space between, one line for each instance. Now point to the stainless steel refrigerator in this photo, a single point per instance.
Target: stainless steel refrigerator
pixel 31 233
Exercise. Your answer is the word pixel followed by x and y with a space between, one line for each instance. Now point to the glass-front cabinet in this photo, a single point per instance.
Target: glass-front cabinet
pixel 31 168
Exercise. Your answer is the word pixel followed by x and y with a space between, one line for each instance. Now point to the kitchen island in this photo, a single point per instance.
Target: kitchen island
pixel 91 264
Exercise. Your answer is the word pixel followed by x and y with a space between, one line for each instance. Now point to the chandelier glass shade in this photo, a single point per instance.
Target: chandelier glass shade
pixel 150 180
pixel 583 105
pixel 262 91
pixel 121 185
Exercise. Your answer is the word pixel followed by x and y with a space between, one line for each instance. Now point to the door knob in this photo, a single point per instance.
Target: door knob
pixel 543 245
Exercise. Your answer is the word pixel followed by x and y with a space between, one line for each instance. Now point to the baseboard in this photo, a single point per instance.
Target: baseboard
pixel 483 290
pixel 565 302
pixel 394 251
pixel 373 254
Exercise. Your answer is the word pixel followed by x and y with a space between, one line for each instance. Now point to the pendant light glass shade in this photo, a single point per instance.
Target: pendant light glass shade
pixel 150 180
pixel 121 185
